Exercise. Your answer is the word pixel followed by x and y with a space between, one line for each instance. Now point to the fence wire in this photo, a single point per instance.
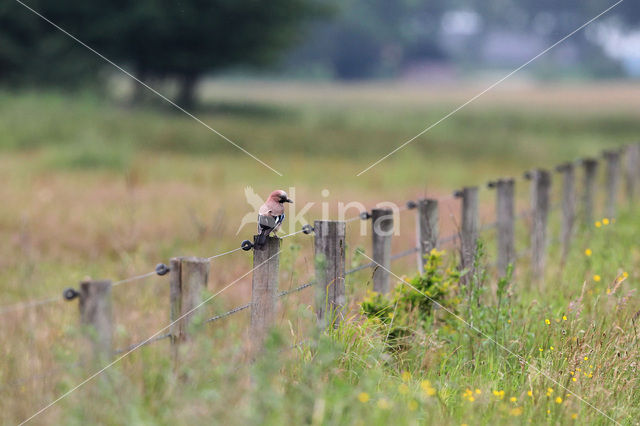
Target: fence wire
pixel 142 343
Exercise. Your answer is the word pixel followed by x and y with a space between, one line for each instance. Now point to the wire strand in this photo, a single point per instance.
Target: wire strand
pixel 135 278
pixel 224 254
pixel 29 304
pixel 142 343
pixel 248 305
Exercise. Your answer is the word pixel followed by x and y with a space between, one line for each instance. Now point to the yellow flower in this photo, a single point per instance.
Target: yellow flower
pixel 403 389
pixel 513 399
pixel 586 358
pixel 608 291
pixel 478 391
pixel 574 379
pixel 588 252
pixel 605 221
pixel 625 274
pixel 363 397
pixel 529 393
pixel 597 278
pixel 546 321
pixel 549 391
pixel 551 347
pixel 427 388
pixel 598 224
pixel 406 376
pixel 412 405
pixel 558 400
pixel 564 318
pixel 471 399
pixel 383 404
pixel 540 349
pixel 574 416
pixel 516 411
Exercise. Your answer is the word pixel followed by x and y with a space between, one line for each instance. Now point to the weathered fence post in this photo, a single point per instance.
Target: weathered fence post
pixel 505 216
pixel 588 196
pixel 568 206
pixel 188 280
pixel 632 171
pixel 96 316
pixel 427 230
pixel 468 231
pixel 613 181
pixel 541 184
pixel 382 229
pixel 330 260
pixel 264 291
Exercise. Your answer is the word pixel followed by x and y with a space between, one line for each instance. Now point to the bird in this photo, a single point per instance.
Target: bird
pixel 271 216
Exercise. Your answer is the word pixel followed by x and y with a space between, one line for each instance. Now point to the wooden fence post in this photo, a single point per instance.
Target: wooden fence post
pixel 613 181
pixel 188 280
pixel 96 317
pixel 264 291
pixel 469 231
pixel 541 184
pixel 590 170
pixel 382 229
pixel 568 206
pixel 427 230
pixel 632 171
pixel 505 212
pixel 330 260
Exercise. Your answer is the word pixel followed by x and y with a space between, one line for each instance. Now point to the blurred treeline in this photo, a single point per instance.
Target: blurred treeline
pixel 183 40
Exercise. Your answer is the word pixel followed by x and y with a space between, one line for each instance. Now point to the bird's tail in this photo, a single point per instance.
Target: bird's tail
pixel 262 238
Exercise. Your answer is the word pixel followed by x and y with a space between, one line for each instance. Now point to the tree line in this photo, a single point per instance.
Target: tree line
pixel 183 40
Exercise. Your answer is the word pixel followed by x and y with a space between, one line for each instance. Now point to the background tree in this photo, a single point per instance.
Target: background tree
pixel 179 39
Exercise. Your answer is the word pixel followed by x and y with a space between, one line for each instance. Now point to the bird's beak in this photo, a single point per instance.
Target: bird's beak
pixel 289 200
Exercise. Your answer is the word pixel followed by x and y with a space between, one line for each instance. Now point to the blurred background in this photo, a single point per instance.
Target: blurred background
pixel 103 178
pixel 428 41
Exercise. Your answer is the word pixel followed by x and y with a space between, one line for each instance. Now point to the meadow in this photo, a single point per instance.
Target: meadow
pixel 94 187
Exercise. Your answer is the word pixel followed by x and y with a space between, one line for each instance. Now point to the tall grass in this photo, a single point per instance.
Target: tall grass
pixel 93 188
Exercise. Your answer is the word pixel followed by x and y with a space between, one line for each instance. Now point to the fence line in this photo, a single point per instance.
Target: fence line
pixel 162 269
pixel 188 277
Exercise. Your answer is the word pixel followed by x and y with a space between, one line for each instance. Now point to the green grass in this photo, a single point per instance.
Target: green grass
pixel 94 188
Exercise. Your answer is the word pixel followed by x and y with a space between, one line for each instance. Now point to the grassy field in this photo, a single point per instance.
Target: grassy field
pixel 95 188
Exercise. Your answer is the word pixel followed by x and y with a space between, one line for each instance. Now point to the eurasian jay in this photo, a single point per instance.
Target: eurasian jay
pixel 271 216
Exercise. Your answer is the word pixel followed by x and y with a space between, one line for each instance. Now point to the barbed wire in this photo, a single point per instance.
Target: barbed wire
pixel 142 343
pixel 297 289
pixel 248 305
pixel 405 253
